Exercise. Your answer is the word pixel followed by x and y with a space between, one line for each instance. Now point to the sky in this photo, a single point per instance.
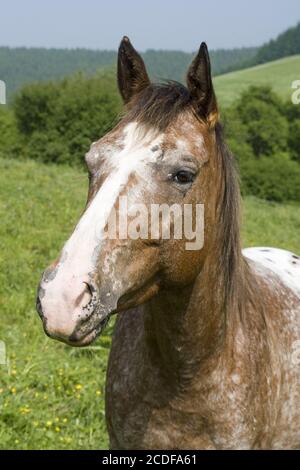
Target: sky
pixel 150 24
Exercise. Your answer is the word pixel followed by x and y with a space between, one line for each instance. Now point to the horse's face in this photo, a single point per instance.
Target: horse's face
pixel 114 259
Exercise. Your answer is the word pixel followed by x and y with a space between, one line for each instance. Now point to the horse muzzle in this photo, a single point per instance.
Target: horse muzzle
pixel 76 316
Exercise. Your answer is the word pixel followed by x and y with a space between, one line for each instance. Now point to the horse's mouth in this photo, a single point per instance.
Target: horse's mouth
pixel 84 335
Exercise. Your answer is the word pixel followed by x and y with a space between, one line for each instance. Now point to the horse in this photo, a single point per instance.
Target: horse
pixel 205 351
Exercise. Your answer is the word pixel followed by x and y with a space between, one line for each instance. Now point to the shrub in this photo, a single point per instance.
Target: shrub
pixel 9 137
pixel 261 112
pixel 273 179
pixel 294 140
pixel 60 120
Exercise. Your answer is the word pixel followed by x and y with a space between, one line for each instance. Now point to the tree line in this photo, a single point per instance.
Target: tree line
pixel 19 66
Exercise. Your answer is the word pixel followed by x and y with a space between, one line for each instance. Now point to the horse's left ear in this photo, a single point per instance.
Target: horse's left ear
pixel 200 86
pixel 132 74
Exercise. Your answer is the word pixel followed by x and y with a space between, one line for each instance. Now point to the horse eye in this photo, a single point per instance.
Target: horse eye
pixel 184 177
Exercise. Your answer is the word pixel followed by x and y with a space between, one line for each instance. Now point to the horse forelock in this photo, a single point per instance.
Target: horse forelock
pixel 158 105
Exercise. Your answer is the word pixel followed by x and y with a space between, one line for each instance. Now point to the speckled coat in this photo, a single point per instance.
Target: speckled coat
pixel 245 394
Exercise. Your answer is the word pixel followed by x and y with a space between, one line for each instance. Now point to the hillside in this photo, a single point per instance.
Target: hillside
pixel 22 65
pixel 279 74
pixel 286 44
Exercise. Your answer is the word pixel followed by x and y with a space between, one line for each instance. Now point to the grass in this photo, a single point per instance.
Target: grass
pixel 52 396
pixel 280 74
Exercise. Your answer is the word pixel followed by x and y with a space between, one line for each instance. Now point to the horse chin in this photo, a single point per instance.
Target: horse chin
pixel 85 336
pixel 81 336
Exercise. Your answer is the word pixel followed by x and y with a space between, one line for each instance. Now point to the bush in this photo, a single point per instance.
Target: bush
pixel 273 179
pixel 261 112
pixel 9 137
pixel 60 120
pixel 294 140
pixel 264 135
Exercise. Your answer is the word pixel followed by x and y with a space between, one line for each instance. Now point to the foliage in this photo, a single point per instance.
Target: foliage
pixel 9 137
pixel 292 113
pixel 260 110
pixel 294 140
pixel 274 179
pixel 264 140
pixel 59 120
pixel 52 397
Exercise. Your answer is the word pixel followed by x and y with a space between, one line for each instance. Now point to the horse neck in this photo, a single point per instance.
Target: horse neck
pixel 185 327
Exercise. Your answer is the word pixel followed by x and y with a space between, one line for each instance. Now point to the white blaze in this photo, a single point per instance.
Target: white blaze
pixel 80 251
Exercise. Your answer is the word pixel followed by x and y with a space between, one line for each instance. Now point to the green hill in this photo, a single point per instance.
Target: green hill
pixel 279 74
pixel 286 44
pixel 23 65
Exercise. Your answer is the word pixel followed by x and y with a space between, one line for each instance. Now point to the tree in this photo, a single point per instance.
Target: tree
pixel 260 111
pixel 294 140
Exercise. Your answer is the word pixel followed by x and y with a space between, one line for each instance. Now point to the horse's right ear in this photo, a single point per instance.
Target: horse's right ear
pixel 132 74
pixel 200 86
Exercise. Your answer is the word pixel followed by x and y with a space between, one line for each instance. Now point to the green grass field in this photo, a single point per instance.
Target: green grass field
pixel 280 74
pixel 52 396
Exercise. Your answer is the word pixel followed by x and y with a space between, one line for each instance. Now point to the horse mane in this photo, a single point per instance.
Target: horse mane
pixel 231 262
pixel 156 107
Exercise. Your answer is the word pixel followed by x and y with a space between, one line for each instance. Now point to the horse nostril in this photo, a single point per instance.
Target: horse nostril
pixel 40 294
pixel 86 300
pixel 39 307
pixel 89 288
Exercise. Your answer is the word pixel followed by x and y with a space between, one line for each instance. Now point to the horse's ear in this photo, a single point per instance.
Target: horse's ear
pixel 200 86
pixel 132 74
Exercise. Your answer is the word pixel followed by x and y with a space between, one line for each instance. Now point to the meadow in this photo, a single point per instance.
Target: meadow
pixel 52 396
pixel 280 74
